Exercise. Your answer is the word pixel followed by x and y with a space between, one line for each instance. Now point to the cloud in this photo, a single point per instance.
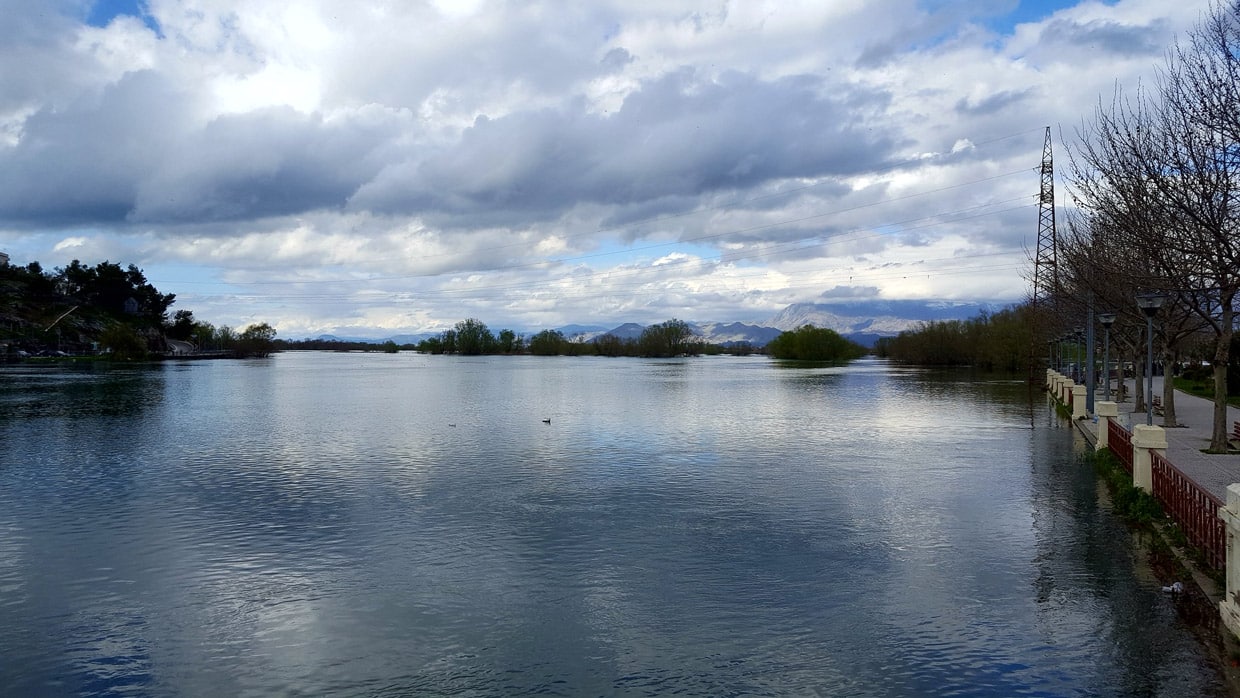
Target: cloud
pixel 542 163
pixel 682 135
pixel 1106 37
pixel 81 163
pixel 269 162
pixel 992 103
pixel 850 292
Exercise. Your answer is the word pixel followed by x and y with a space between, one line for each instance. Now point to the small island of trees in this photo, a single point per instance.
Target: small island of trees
pixel 809 343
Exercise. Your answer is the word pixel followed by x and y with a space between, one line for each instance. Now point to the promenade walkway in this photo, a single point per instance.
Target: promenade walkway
pixel 1213 472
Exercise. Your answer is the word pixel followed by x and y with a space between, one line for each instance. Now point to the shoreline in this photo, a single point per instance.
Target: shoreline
pixel 1198 606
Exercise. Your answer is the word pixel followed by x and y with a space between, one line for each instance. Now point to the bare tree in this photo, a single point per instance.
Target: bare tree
pixel 1195 167
pixel 1158 176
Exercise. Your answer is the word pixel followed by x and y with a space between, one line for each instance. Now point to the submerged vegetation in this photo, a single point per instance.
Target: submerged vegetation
pixel 991 342
pixel 471 337
pixel 809 343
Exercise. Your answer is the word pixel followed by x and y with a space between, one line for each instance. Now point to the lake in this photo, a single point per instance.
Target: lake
pixel 334 524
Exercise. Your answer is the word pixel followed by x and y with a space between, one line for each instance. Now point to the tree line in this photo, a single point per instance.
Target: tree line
pixel 106 308
pixel 990 341
pixel 472 337
pixel 666 339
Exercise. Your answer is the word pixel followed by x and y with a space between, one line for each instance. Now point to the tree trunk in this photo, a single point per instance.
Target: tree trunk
pixel 1138 393
pixel 1168 396
pixel 1222 356
pixel 1121 388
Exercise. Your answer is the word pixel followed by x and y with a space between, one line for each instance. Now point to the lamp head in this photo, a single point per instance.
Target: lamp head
pixel 1150 302
pixel 1107 319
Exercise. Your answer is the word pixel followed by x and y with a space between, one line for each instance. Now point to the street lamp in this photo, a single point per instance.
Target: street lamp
pixel 1149 303
pixel 1078 334
pixel 1107 319
pixel 1068 357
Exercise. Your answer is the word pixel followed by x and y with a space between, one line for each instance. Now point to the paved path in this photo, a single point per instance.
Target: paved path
pixel 1185 443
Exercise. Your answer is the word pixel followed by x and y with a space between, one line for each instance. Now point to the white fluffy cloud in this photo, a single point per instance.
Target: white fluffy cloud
pixel 385 167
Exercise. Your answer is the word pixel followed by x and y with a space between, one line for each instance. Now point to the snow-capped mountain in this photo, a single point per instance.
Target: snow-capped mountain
pixel 882 318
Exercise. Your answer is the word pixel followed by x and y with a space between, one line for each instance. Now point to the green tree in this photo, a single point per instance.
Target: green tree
pixel 431 345
pixel 611 345
pixel 225 338
pixel 991 342
pixel 809 343
pixel 108 287
pixel 182 326
pixel 507 341
pixel 671 338
pixel 203 335
pixel 473 337
pixel 548 343
pixel 256 340
pixel 124 343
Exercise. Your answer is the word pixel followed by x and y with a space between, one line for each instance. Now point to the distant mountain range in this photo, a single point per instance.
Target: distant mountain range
pixel 863 322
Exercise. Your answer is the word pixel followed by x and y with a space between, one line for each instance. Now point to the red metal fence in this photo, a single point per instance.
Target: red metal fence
pixel 1194 509
pixel 1120 443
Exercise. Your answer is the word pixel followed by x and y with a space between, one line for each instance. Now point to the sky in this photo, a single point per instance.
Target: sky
pixel 375 167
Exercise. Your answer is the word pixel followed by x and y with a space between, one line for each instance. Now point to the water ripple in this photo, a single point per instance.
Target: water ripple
pixel 395 525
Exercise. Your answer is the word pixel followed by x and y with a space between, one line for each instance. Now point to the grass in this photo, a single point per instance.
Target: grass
pixel 1141 510
pixel 1202 388
pixel 1134 505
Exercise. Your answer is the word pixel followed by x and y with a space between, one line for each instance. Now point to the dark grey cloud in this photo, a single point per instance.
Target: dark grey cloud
pixel 134 154
pixel 1104 36
pixel 269 162
pixel 680 135
pixel 34 38
pixel 81 163
pixel 994 103
pixel 850 292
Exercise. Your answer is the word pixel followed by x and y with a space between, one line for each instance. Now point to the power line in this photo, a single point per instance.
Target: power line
pixel 633 250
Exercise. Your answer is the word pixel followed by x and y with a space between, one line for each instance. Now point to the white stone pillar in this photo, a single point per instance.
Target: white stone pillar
pixel 1228 608
pixel 1106 411
pixel 1078 402
pixel 1146 439
pixel 1050 379
pixel 1065 390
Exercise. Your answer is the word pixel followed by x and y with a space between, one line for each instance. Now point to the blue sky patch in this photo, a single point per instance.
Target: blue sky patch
pixel 1028 11
pixel 102 12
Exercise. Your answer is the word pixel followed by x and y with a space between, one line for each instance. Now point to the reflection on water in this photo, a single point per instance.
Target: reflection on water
pixel 78 390
pixel 399 524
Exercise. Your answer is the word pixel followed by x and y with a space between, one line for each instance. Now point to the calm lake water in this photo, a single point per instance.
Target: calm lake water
pixel 371 524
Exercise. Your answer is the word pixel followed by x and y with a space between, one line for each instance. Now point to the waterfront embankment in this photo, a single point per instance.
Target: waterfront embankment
pixel 1195 498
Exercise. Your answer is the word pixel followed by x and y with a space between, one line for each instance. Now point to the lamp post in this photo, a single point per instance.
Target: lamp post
pixel 1107 319
pixel 1078 336
pixel 1149 303
pixel 1064 356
